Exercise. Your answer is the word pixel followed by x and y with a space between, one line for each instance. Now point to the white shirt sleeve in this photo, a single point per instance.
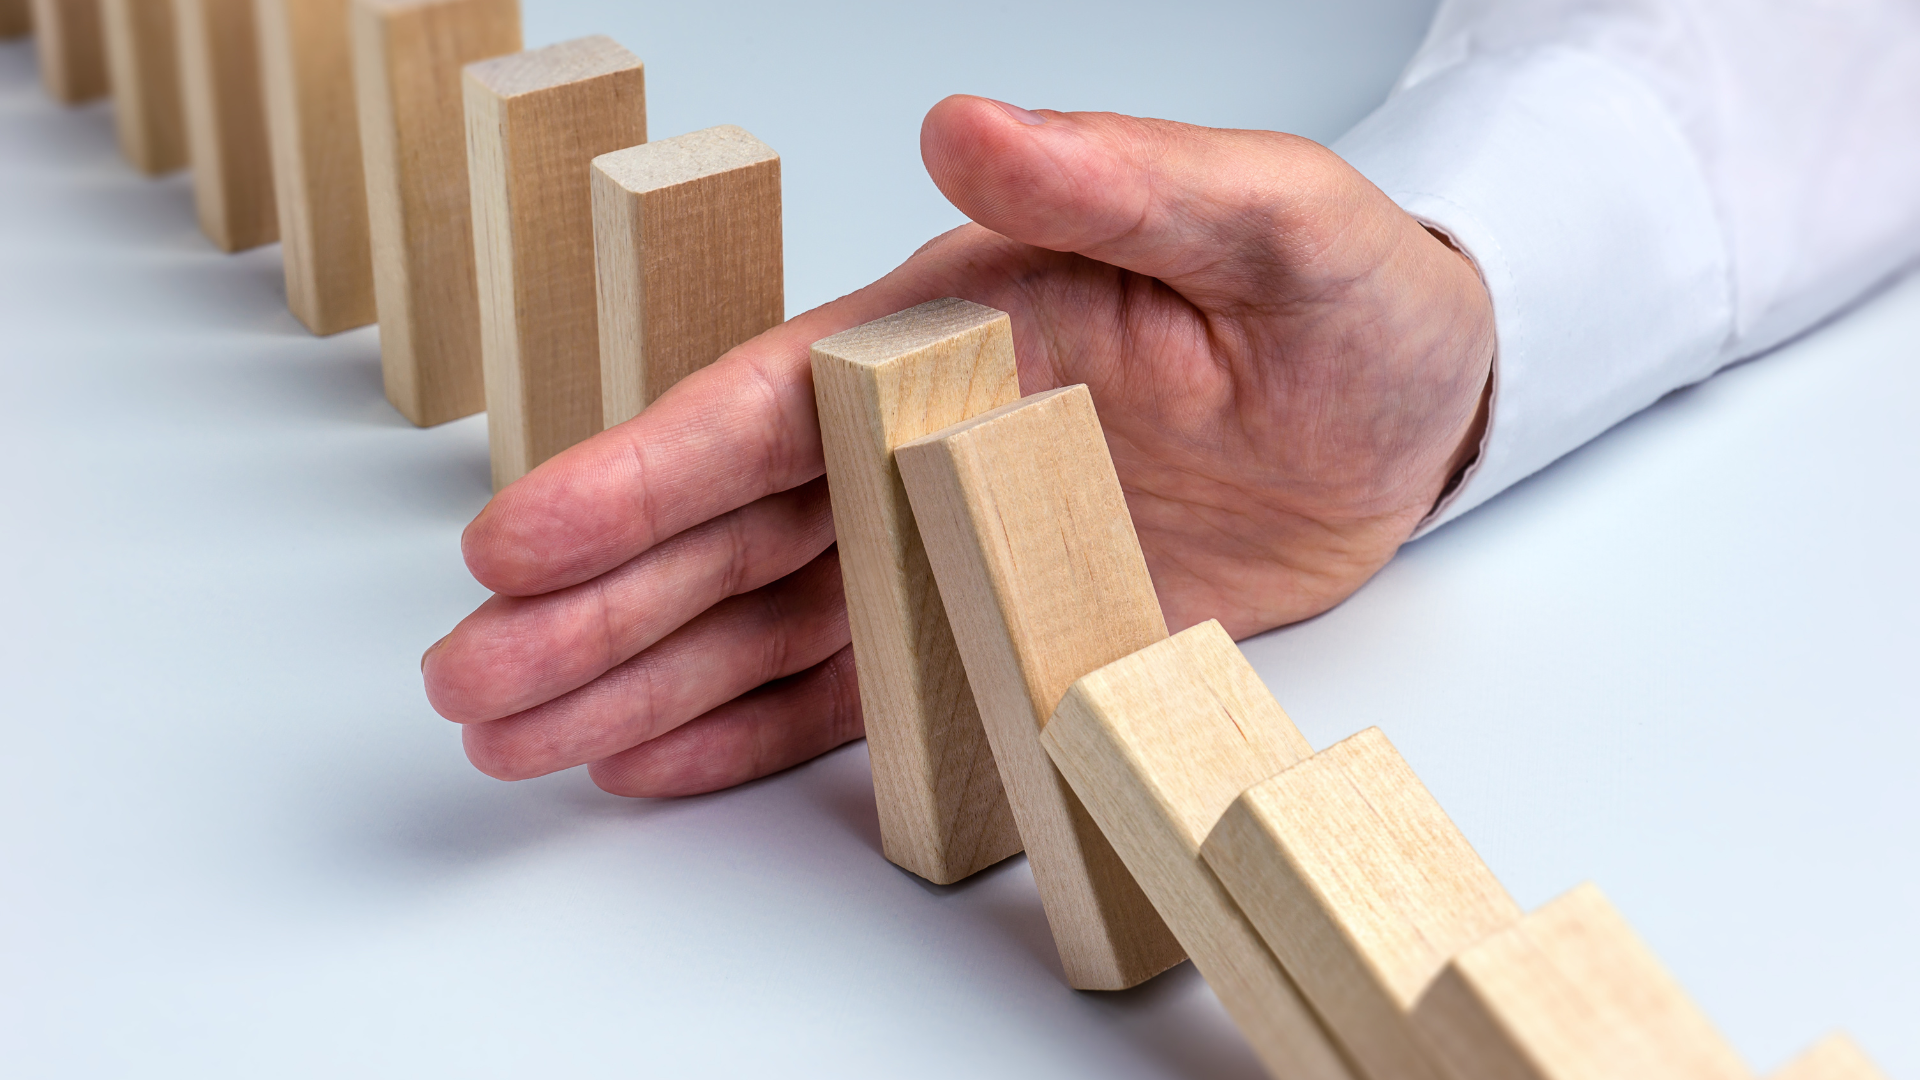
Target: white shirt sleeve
pixel 1651 190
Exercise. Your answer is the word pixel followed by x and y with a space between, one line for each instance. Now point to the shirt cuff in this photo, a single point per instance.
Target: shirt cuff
pixel 1573 190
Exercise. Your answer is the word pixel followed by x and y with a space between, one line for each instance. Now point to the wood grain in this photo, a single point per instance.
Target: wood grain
pixel 319 186
pixel 144 65
pixel 535 122
pixel 686 241
pixel 1157 745
pixel 943 812
pixel 226 120
pixel 71 48
pixel 1363 887
pixel 1042 577
pixel 1836 1057
pixel 1568 993
pixel 407 56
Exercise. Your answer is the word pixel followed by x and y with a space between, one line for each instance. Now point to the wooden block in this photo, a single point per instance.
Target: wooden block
pixel 535 122
pixel 943 813
pixel 1156 745
pixel 1835 1057
pixel 1041 574
pixel 319 186
pixel 407 56
pixel 226 122
pixel 71 48
pixel 143 60
pixel 686 241
pixel 1363 887
pixel 1568 993
pixel 16 18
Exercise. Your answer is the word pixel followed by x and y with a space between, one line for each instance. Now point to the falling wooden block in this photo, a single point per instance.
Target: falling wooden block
pixel 943 813
pixel 1835 1057
pixel 686 241
pixel 144 62
pixel 1042 578
pixel 1157 745
pixel 407 56
pixel 16 18
pixel 319 186
pixel 226 122
pixel 71 48
pixel 535 122
pixel 1363 887
pixel 1568 993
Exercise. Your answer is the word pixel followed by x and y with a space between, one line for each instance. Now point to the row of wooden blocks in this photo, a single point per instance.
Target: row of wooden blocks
pixel 1020 689
pixel 523 246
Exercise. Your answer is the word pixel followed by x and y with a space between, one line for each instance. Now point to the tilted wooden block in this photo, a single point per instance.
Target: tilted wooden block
pixel 1042 577
pixel 16 18
pixel 1363 887
pixel 306 63
pixel 407 56
pixel 1835 1057
pixel 1569 993
pixel 144 62
pixel 535 122
pixel 1156 745
pixel 71 48
pixel 226 118
pixel 686 241
pixel 943 812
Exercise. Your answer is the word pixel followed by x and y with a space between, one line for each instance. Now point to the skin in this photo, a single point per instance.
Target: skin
pixel 1289 369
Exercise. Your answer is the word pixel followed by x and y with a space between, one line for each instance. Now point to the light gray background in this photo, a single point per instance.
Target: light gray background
pixel 237 843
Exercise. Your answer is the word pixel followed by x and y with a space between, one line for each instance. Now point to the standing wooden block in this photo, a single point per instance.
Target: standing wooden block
pixel 535 122
pixel 1363 887
pixel 71 48
pixel 686 241
pixel 1835 1057
pixel 143 58
pixel 1569 993
pixel 1030 540
pixel 16 18
pixel 319 185
pixel 226 122
pixel 943 813
pixel 407 56
pixel 1156 745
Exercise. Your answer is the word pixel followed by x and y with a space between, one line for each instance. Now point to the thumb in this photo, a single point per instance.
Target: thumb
pixel 1218 210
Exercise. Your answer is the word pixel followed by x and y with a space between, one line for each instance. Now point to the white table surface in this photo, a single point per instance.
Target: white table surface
pixel 237 843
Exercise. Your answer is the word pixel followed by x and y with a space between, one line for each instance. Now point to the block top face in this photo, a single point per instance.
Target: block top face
pixel 1197 721
pixel 554 65
pixel 904 332
pixel 663 164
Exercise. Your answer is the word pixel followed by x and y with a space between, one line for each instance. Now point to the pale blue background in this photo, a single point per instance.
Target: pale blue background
pixel 237 843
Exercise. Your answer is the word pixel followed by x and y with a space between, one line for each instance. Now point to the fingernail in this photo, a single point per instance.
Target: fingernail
pixel 429 652
pixel 1023 115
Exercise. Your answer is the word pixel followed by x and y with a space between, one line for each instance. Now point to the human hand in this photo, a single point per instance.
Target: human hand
pixel 1289 369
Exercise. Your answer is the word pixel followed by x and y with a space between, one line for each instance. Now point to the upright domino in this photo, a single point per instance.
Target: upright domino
pixel 1041 574
pixel 686 241
pixel 943 813
pixel 1363 887
pixel 535 122
pixel 1835 1057
pixel 16 18
pixel 1569 993
pixel 407 56
pixel 226 122
pixel 71 48
pixel 144 63
pixel 1157 744
pixel 306 65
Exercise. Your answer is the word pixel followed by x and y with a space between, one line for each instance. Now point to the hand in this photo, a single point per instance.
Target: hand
pixel 1289 369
